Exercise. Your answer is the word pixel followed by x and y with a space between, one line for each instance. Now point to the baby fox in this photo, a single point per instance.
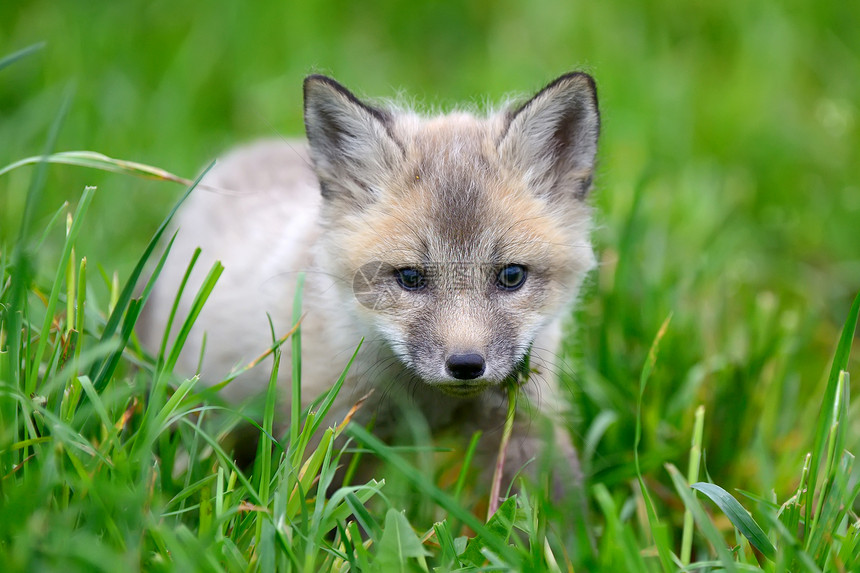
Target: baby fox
pixel 454 245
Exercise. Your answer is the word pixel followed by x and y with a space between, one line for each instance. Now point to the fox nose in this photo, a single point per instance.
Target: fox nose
pixel 465 366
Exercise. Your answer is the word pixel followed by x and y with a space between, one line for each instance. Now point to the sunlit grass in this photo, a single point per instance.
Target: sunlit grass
pixel 103 445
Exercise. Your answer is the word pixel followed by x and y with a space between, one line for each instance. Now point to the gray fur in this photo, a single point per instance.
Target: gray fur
pixel 456 195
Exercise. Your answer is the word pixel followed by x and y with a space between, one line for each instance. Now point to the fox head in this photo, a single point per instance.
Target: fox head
pixel 456 238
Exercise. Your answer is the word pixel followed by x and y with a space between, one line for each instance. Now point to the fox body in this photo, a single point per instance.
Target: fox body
pixel 453 245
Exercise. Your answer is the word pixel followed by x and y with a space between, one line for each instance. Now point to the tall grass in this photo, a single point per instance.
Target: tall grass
pixel 110 461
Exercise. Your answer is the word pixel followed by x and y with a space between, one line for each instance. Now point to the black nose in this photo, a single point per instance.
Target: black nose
pixel 465 366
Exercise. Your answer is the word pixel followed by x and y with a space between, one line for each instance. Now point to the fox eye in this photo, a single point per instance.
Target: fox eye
pixel 511 277
pixel 411 279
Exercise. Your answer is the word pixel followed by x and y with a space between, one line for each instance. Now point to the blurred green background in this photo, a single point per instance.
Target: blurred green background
pixel 728 189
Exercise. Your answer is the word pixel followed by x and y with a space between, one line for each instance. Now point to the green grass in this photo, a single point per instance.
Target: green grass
pixel 727 198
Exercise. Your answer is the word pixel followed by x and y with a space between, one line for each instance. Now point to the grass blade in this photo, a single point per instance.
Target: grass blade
pixel 171 316
pixel 264 453
pixel 657 528
pixel 495 490
pixel 825 417
pixel 130 286
pixel 99 161
pixel 53 298
pixel 20 54
pixel 399 545
pixel 738 516
pixel 692 475
pixel 296 386
pixel 706 526
pixel 424 484
pixel 329 397
pixel 448 557
pixel 22 260
pixel 500 524
pixel 196 307
pixel 363 517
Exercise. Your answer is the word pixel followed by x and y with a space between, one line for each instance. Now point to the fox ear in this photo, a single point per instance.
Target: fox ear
pixel 349 141
pixel 552 138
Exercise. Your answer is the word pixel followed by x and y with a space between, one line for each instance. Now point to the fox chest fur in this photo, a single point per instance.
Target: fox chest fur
pixel 453 246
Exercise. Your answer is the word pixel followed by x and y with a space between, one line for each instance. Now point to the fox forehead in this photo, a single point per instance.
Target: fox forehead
pixel 439 220
pixel 450 198
pixel 451 152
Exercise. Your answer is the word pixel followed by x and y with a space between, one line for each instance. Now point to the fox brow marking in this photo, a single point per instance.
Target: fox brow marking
pixel 582 245
pixel 387 240
pixel 510 228
pixel 424 247
pixel 363 213
pixel 528 242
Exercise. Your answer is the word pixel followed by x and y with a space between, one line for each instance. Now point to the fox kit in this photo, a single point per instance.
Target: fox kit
pixel 454 245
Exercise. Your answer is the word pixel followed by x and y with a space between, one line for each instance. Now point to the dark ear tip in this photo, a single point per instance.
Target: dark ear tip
pixel 315 81
pixel 319 78
pixel 573 83
pixel 580 79
pixel 318 87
